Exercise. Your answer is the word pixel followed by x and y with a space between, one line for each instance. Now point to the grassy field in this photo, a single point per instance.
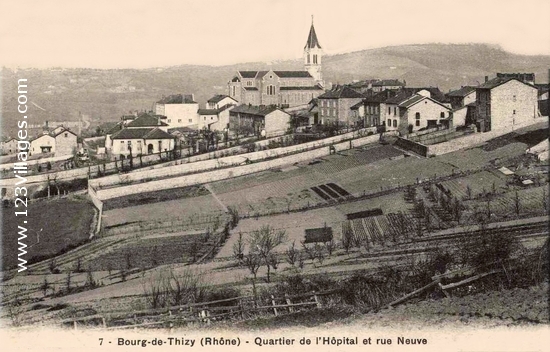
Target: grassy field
pixel 154 197
pixel 177 208
pixel 151 252
pixel 65 223
pixel 479 183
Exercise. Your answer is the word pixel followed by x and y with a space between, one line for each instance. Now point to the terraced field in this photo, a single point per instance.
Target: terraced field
pixel 164 210
pixel 530 200
pixel 479 182
pixel 149 252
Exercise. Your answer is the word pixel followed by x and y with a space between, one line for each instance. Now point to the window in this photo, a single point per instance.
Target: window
pixel 308 58
pixel 389 110
pixel 233 91
pixel 417 116
pixel 395 110
pixel 169 120
pixel 179 120
pixel 389 122
pixel 314 59
pixel 270 90
pixel 249 83
pixel 514 112
pixel 66 135
pixel 417 123
pixel 514 98
pixel 204 118
pixel 190 120
pixel 212 118
pixel 442 115
pixel 394 123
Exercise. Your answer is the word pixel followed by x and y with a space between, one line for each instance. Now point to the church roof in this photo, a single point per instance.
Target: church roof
pixel 312 41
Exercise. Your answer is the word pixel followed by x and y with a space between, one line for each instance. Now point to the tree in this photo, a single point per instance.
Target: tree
pixel 238 248
pixel 292 254
pixel 347 237
pixel 517 203
pixel 45 286
pixel 253 262
pixel 263 241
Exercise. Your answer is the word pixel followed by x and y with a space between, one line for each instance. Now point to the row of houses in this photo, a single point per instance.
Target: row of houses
pixel 59 141
pixel 502 101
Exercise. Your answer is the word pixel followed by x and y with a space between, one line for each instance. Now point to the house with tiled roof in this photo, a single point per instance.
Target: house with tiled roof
pixel 220 100
pixel 9 146
pixel 180 110
pixel 383 84
pixel 145 134
pixel 282 88
pixel 335 106
pixel 462 97
pixel 409 111
pixel 59 142
pixel 505 101
pixel 372 109
pixel 267 121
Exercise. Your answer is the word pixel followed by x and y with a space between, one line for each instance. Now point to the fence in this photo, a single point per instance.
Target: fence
pixel 172 225
pixel 241 308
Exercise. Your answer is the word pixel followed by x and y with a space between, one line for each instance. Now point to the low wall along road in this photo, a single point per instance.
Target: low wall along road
pixel 216 175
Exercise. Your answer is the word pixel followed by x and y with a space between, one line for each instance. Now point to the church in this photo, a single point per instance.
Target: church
pixel 282 88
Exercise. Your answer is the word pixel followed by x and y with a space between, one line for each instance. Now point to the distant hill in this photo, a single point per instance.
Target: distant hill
pixel 104 95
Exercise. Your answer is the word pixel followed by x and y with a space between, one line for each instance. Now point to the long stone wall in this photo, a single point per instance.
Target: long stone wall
pixel 195 165
pixel 477 138
pixel 211 176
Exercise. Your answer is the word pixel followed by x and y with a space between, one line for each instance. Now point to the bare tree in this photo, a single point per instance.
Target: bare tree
pixel 347 237
pixel 517 203
pixel 469 192
pixel 253 262
pixel 292 254
pixel 238 248
pixel 155 289
pixel 263 241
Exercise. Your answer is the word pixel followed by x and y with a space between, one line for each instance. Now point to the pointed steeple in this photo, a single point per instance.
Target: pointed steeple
pixel 312 41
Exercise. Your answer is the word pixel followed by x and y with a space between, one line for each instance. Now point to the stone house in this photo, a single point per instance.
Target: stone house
pixel 180 110
pixel 503 102
pixel 335 106
pixel 255 119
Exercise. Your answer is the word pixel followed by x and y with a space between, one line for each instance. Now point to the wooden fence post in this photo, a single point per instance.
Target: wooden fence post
pixel 103 322
pixel 290 308
pixel 74 324
pixel 274 304
pixel 316 300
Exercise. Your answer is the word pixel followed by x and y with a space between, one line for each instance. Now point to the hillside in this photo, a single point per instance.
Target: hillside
pixel 106 94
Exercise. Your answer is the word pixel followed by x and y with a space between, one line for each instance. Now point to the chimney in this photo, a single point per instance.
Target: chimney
pixel 486 79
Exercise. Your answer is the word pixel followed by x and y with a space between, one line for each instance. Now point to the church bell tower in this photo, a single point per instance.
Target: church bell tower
pixel 312 55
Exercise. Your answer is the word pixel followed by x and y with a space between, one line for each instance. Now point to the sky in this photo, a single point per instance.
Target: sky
pixel 155 33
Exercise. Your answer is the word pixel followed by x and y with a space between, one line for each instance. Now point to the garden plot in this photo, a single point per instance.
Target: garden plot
pixel 277 195
pixel 337 163
pixel 476 158
pixel 150 252
pixel 381 229
pixel 294 225
pixel 252 180
pixel 391 203
pixel 479 183
pixel 530 200
pixel 330 191
pixel 389 174
pixel 187 207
